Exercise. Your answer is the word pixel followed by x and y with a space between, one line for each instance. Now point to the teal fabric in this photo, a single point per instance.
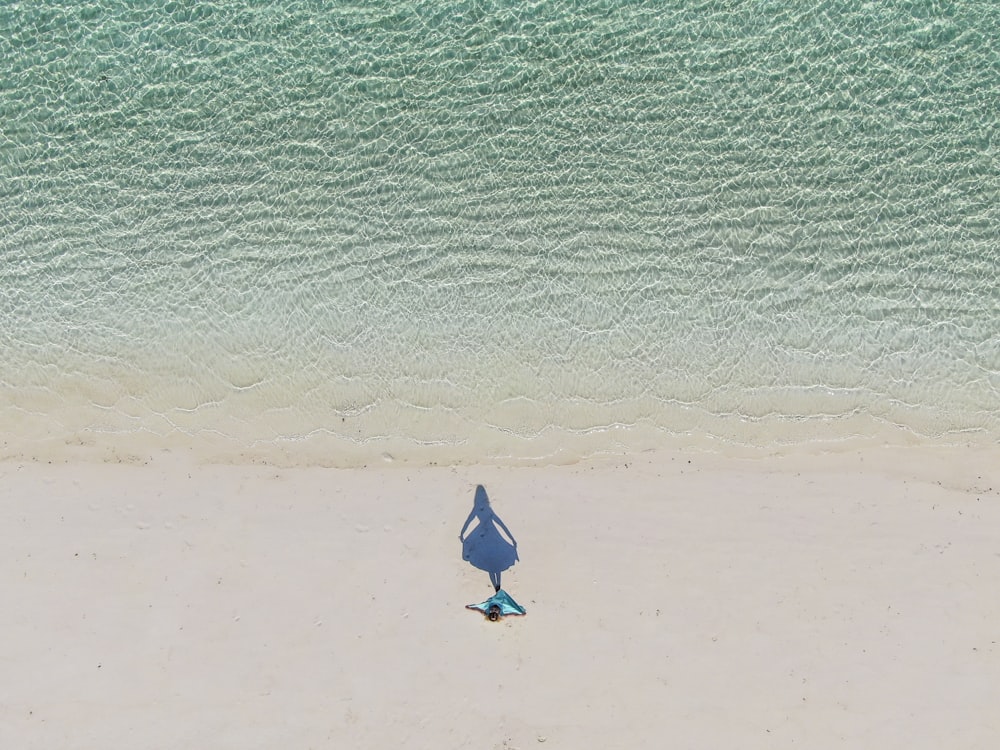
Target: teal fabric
pixel 501 599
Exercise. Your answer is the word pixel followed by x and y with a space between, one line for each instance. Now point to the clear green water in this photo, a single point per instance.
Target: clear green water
pixel 494 230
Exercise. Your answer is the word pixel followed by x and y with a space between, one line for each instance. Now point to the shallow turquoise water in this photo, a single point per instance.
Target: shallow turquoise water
pixel 461 231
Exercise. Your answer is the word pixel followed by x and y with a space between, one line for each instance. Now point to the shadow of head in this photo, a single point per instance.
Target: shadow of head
pixel 481 501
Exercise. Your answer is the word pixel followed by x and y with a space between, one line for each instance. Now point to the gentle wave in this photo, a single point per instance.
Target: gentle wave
pixel 496 231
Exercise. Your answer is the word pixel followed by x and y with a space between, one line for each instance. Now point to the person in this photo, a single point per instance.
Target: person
pixel 485 547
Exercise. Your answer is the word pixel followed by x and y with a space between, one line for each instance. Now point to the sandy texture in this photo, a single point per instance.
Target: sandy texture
pixel 682 601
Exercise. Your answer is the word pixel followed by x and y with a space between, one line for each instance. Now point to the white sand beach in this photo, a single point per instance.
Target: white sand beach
pixel 683 601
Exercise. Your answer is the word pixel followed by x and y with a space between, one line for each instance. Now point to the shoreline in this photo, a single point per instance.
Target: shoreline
pixel 830 600
pixel 486 448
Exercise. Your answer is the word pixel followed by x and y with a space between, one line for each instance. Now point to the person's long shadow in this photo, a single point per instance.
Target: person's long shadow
pixel 485 548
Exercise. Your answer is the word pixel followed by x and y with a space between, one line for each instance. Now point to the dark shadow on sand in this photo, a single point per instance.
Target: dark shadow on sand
pixel 485 547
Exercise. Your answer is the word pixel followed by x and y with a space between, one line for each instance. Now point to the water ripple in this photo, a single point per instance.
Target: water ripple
pixel 496 229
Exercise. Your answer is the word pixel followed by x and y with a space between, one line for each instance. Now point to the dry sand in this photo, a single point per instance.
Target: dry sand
pixel 674 601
